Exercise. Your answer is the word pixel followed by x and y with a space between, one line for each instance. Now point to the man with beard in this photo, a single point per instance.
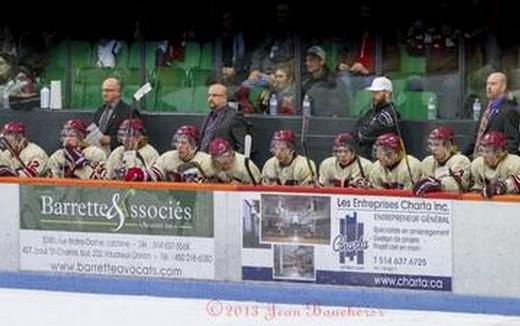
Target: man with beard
pixel 381 118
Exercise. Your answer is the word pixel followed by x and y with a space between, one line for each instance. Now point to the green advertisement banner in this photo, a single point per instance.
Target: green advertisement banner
pixel 122 211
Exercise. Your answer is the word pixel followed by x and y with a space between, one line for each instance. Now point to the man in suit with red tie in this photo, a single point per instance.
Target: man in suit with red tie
pixel 500 114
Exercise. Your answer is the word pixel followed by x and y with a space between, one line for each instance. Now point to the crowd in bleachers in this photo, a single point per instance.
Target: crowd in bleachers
pixel 234 70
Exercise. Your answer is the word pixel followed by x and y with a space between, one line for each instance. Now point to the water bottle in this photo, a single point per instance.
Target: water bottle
pixel 306 106
pixel 476 109
pixel 5 99
pixel 432 108
pixel 273 104
pixel 45 96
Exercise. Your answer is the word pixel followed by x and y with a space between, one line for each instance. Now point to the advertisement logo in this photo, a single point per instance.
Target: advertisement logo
pixel 350 242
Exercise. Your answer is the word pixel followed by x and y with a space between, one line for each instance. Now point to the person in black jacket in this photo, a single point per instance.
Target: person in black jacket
pixel 223 121
pixel 113 112
pixel 500 114
pixel 381 118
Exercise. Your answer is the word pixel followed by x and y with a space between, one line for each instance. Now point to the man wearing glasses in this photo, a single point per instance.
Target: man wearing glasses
pixel 222 121
pixel 113 112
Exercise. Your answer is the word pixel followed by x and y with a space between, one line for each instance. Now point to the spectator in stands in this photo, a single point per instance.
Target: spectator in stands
pixel 229 166
pixel 235 58
pixel 277 47
pixel 284 89
pixel 493 169
pixel 15 80
pixel 77 159
pixel 223 121
pixel 393 170
pixel 381 118
pixel 107 51
pixel 133 152
pixel 183 164
pixel 287 167
pixel 328 96
pixel 20 157
pixel 446 169
pixel 345 168
pixel 500 114
pixel 114 111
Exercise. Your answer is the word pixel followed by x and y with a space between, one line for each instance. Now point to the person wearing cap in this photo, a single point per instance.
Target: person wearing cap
pixel 345 168
pixel 228 166
pixel 381 118
pixel 446 169
pixel 287 167
pixel 493 170
pixel 77 159
pixel 328 96
pixel 134 151
pixel 393 170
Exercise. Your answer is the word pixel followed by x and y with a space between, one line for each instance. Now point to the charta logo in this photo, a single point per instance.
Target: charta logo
pixel 349 242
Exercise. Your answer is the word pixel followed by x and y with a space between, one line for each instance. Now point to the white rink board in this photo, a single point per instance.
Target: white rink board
pixel 61 308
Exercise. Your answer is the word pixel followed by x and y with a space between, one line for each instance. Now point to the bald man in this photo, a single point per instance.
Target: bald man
pixel 112 113
pixel 499 114
pixel 223 121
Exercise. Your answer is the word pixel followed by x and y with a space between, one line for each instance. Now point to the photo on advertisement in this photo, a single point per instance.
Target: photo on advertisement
pixel 293 262
pixel 251 224
pixel 295 219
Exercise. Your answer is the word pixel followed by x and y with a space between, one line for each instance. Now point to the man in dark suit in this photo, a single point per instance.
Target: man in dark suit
pixel 223 121
pixel 500 114
pixel 113 112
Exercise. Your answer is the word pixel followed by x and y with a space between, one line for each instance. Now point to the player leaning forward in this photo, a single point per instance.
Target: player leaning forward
pixel 393 168
pixel 133 152
pixel 287 167
pixel 77 159
pixel 18 156
pixel 228 166
pixel 185 163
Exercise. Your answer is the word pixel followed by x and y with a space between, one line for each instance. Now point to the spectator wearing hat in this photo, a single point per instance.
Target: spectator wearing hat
pixel 381 118
pixel 328 96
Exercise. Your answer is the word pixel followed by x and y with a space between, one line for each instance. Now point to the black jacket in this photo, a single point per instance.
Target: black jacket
pixel 233 127
pixel 121 113
pixel 375 122
pixel 506 120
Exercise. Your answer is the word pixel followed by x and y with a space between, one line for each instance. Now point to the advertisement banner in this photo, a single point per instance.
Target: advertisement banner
pixel 127 232
pixel 390 242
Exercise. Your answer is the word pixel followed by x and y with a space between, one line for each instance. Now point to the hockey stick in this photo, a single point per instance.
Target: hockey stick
pixel 398 129
pixel 190 165
pixel 303 140
pixel 247 152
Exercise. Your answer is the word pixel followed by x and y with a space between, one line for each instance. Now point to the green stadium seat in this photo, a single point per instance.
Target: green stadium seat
pixel 57 55
pixel 131 79
pixel 90 81
pixel 412 64
pixel 133 56
pixel 191 56
pixel 200 99
pixel 199 77
pixel 415 105
pixel 206 56
pixel 171 85
pixel 362 101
